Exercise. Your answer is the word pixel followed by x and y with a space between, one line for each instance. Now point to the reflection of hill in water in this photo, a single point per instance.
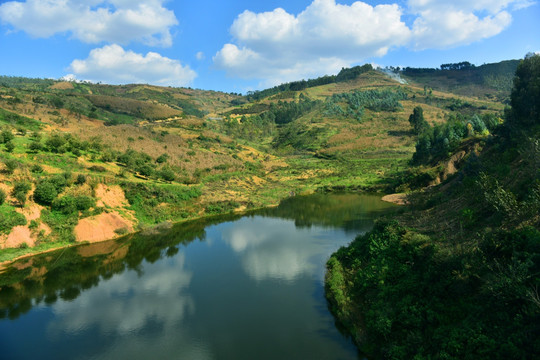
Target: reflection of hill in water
pixel 64 274
pixel 351 212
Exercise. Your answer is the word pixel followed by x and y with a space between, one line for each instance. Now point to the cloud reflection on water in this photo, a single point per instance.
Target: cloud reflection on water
pixel 268 251
pixel 126 305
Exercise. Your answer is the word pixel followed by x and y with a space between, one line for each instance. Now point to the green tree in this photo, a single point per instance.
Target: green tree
pixel 55 142
pixel 45 193
pixel 417 121
pixel 20 190
pixel 525 97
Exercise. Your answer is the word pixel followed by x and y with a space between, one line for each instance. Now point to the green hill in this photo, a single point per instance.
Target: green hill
pixel 492 81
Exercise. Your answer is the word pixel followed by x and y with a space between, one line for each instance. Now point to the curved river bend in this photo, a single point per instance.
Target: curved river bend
pixel 235 287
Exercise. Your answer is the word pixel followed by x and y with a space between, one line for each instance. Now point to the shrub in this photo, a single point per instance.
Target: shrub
pixel 70 204
pixel 36 168
pixel 162 158
pixel 11 165
pixel 65 204
pixel 10 146
pixel 20 190
pixel 6 136
pixel 45 193
pixel 3 196
pixel 84 202
pixel 35 146
pixel 146 170
pixel 59 182
pixel 167 174
pixel 55 142
pixel 81 179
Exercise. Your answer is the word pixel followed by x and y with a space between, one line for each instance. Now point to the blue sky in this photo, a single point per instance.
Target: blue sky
pixel 237 46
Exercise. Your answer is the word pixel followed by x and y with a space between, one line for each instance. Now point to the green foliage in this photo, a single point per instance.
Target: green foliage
pixel 20 191
pixel 352 104
pixel 300 136
pixel 137 162
pixel 6 135
pixel 438 142
pixel 62 223
pixel 45 192
pixel 345 74
pixel 68 204
pixel 458 104
pixel 10 146
pixel 55 143
pixel 418 303
pixel 162 158
pixel 147 200
pixel 83 203
pixel 60 181
pixel 81 179
pixel 190 109
pixel 3 196
pixel 417 121
pixel 11 165
pixel 167 174
pixel 526 93
pixel 467 80
pixel 19 121
pixel 9 218
pixel 286 112
pixel 221 207
pixel 253 128
pixel 36 146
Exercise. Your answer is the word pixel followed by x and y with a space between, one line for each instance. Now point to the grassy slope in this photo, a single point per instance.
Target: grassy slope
pixel 219 170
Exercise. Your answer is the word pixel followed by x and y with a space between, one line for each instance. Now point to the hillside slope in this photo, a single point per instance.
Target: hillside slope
pixel 456 275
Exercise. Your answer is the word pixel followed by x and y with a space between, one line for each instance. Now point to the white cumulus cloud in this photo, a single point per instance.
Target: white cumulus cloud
pixel 445 24
pixel 279 46
pixel 93 21
pixel 114 65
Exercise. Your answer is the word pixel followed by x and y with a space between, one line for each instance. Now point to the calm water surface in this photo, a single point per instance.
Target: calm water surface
pixel 237 287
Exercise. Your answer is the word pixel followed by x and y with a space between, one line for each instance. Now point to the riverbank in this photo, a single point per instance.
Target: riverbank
pixel 146 228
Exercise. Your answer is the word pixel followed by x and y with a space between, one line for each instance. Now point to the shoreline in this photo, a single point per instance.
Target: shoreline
pixel 5 264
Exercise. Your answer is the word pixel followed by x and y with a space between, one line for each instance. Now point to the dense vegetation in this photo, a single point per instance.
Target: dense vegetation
pixel 345 74
pixel 352 104
pixel 457 276
pixel 464 78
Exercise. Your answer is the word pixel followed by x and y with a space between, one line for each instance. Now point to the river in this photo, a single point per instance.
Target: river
pixel 232 287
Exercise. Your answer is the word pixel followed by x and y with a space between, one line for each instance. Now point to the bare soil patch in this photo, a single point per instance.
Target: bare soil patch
pixel 19 235
pixel 102 227
pixel 399 199
pixel 111 196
